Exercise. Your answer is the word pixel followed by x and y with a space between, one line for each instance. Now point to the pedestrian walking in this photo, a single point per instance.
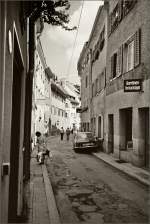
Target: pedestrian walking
pixel 41 147
pixel 68 133
pixel 62 133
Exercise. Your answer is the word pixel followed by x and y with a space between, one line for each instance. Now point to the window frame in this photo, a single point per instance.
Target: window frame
pixel 130 55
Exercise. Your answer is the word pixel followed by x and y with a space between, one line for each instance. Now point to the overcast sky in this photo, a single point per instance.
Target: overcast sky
pixel 58 43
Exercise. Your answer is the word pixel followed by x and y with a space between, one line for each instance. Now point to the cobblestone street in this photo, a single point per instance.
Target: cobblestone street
pixel 88 191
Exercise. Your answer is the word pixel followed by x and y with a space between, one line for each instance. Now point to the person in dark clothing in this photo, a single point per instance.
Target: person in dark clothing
pixel 68 133
pixel 62 133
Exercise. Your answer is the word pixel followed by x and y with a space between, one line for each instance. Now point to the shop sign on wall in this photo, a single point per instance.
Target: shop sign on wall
pixel 133 85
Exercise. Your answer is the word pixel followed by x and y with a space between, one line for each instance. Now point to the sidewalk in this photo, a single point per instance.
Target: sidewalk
pixel 143 176
pixel 40 198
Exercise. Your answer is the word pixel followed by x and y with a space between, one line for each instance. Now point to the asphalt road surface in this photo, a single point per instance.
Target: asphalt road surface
pixel 88 191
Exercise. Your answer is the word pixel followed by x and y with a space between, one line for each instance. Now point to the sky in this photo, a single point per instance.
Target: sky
pixel 58 43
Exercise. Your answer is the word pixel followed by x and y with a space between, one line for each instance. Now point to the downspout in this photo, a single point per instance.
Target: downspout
pixel 90 90
pixel 28 101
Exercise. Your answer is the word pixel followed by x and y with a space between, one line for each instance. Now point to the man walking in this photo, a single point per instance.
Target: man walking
pixel 68 133
pixel 62 133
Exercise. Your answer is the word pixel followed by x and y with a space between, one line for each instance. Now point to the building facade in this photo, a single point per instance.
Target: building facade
pixel 41 113
pixel 92 69
pixel 14 72
pixel 122 105
pixel 58 107
pixel 127 111
pixel 73 102
pixel 84 71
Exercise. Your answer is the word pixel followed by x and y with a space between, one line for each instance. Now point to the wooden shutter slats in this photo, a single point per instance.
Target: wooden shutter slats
pixel 112 66
pixel 119 61
pixel 137 48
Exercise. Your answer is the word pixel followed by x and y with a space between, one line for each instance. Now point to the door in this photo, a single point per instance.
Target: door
pixel 111 133
pixel 99 126
pixel 144 133
pixel 147 146
pixel 15 136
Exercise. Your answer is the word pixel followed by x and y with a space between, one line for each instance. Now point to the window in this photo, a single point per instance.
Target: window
pixel 92 89
pixel 119 12
pixel 131 52
pixel 130 56
pixel 96 86
pixel 114 65
pixel 102 39
pixel 127 57
pixel 114 18
pixel 86 81
pixel 96 55
pixel 128 5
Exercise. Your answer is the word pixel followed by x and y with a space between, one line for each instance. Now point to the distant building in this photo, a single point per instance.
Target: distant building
pixel 73 102
pixel 119 100
pixel 92 69
pixel 58 109
pixel 41 114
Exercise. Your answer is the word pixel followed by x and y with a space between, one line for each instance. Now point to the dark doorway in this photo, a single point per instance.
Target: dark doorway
pixel 128 125
pixel 99 127
pixel 111 133
pixel 144 134
pixel 15 134
pixel 125 127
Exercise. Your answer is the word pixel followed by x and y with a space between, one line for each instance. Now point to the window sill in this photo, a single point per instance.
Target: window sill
pixel 115 77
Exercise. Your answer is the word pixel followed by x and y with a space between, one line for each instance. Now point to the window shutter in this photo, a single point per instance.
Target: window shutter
pixel 120 10
pixel 119 61
pixel 99 82
pixel 137 48
pixel 109 24
pixel 92 89
pixel 112 66
pixel 95 88
pixel 103 80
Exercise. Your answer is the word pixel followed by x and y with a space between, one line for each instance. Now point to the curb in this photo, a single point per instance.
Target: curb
pixel 51 203
pixel 145 182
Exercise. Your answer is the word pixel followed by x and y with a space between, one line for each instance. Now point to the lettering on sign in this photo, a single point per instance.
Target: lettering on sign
pixel 131 85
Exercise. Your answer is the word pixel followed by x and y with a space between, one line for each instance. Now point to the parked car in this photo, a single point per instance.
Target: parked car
pixel 85 141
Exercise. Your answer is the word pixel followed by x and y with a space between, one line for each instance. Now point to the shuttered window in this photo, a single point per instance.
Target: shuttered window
pixel 119 61
pixel 114 65
pixel 120 10
pixel 95 88
pixel 137 46
pixel 92 89
pixel 131 52
pixel 130 56
pixel 99 82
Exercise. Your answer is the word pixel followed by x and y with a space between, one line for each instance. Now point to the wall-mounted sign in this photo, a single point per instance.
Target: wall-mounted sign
pixel 133 85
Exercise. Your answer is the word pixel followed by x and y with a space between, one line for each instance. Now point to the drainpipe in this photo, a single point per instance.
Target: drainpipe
pixel 28 101
pixel 90 88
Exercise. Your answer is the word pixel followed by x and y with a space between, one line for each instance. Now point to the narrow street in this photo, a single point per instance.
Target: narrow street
pixel 89 191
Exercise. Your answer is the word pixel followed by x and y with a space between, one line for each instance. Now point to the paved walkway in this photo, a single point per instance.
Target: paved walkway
pixel 40 199
pixel 41 203
pixel 137 173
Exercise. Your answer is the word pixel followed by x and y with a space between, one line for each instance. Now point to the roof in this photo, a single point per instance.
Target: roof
pixel 56 88
pixel 74 101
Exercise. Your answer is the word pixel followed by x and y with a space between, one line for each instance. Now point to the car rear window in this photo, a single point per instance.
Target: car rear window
pixel 83 135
